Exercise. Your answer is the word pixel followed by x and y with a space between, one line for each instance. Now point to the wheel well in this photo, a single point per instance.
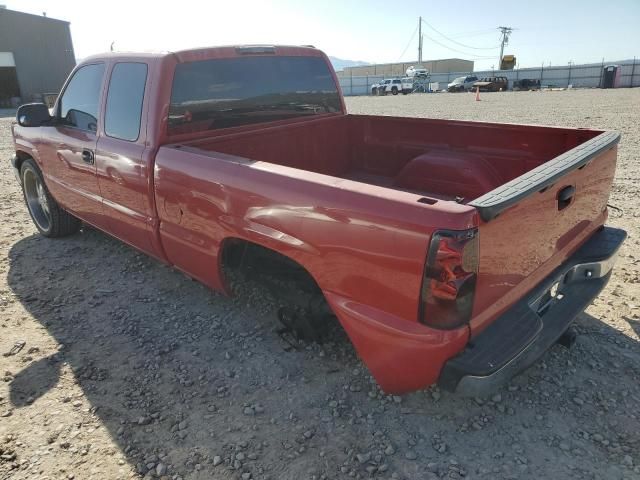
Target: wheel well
pixel 289 283
pixel 240 254
pixel 22 156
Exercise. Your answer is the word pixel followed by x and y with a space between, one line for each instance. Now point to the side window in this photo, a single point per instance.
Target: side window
pixel 124 101
pixel 80 100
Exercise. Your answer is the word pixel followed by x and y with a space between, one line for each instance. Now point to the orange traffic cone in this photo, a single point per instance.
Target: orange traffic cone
pixel 477 94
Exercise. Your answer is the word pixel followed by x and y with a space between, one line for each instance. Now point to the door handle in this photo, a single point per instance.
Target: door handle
pixel 88 157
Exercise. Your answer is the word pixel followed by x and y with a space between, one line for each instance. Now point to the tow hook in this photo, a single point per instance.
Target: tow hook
pixel 568 338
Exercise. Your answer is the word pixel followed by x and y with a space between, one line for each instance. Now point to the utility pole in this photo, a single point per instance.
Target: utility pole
pixel 420 40
pixel 505 32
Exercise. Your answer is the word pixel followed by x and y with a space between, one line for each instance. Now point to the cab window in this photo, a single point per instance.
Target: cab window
pixel 81 99
pixel 124 100
pixel 231 92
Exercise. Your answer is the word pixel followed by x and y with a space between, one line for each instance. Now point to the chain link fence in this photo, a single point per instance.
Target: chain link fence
pixel 578 76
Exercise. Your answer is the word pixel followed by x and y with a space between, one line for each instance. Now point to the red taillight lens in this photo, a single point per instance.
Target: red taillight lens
pixel 449 281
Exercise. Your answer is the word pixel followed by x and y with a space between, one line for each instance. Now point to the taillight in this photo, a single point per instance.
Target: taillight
pixel 449 280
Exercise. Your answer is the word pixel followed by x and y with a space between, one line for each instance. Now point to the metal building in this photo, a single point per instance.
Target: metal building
pixel 36 55
pixel 445 65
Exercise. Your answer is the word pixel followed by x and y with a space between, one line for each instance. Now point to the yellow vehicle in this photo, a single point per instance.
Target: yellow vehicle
pixel 508 62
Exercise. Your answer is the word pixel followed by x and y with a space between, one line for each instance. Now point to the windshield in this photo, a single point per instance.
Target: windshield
pixel 459 80
pixel 228 92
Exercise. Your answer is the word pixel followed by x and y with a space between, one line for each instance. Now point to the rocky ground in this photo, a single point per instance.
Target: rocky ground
pixel 114 366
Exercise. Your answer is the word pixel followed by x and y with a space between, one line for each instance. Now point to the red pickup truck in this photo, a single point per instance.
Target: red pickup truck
pixel 451 252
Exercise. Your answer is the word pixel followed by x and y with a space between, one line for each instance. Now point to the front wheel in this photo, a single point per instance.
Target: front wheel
pixel 49 218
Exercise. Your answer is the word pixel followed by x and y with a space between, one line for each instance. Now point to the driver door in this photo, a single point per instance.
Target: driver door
pixel 69 153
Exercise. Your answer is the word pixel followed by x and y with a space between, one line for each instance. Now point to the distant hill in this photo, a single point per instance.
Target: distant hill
pixel 340 64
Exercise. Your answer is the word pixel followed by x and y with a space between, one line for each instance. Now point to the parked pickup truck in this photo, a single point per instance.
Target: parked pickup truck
pixel 393 86
pixel 450 251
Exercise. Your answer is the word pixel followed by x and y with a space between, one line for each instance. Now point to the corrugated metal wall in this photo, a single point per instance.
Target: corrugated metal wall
pixel 399 69
pixel 42 50
pixel 580 76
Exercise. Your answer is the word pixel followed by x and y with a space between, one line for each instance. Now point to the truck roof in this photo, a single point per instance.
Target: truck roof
pixel 206 53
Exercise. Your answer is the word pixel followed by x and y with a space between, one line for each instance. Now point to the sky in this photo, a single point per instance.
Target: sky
pixel 545 31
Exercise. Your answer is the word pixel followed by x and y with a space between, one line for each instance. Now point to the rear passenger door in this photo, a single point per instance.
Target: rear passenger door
pixel 123 169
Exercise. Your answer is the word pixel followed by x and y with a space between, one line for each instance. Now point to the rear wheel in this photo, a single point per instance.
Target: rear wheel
pixel 49 218
pixel 394 90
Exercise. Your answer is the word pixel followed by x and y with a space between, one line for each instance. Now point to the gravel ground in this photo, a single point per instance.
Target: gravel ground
pixel 130 370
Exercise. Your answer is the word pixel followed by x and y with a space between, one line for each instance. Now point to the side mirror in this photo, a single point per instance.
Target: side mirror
pixel 33 115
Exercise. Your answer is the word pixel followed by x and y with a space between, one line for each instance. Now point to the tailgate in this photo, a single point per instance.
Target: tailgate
pixel 531 224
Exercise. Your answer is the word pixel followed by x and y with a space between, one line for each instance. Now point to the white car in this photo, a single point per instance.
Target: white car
pixel 407 85
pixel 393 86
pixel 414 71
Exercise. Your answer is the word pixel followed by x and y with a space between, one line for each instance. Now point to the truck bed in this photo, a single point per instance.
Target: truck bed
pixel 516 172
pixel 437 159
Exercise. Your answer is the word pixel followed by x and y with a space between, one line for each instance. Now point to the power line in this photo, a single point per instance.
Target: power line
pixel 477 57
pixel 473 33
pixel 454 41
pixel 408 44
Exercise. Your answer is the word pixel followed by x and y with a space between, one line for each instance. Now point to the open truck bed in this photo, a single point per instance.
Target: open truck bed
pixel 440 159
pixel 532 194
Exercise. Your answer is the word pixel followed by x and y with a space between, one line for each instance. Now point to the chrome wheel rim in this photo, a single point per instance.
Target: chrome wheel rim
pixel 37 201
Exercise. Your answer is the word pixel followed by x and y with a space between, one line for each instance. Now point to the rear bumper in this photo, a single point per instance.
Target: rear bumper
pixel 521 335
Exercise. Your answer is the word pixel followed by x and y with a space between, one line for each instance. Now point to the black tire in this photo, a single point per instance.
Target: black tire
pixel 374 91
pixel 394 90
pixel 50 219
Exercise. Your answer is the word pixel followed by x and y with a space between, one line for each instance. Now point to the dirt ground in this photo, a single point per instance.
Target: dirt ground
pixel 131 370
